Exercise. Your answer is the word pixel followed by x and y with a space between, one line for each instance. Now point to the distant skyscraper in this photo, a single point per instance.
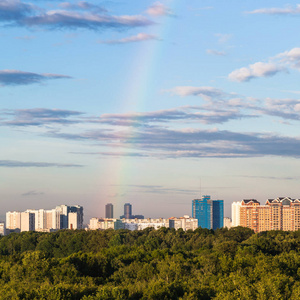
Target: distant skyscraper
pixel 109 211
pixel 202 211
pixel 235 213
pixel 209 213
pixel 217 209
pixel 127 211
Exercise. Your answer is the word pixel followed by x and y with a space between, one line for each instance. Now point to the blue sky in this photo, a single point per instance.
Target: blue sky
pixel 148 102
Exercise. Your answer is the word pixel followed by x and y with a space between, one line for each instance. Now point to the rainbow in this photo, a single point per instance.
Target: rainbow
pixel 134 91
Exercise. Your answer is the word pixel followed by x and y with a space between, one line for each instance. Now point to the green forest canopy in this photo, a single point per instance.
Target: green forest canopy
pixel 151 264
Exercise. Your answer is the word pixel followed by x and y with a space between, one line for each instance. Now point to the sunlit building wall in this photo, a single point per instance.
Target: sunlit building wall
pixel 282 213
pixel 13 220
pixel 235 213
pixel 27 221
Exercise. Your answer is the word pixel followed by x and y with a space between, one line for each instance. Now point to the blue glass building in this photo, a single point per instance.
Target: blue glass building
pixel 209 213
pixel 202 211
pixel 217 214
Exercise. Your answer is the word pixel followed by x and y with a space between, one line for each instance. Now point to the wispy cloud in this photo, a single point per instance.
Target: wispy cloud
pixel 59 19
pixel 205 115
pixel 159 9
pixel 140 37
pixel 270 177
pixel 82 5
pixel 72 16
pixel 39 117
pixel 25 37
pixel 16 77
pixel 205 92
pixel 22 164
pixel 157 189
pixel 288 10
pixel 215 52
pixel 32 193
pixel 192 143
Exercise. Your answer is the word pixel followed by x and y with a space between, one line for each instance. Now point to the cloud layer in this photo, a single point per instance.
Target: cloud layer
pixel 22 164
pixel 68 16
pixel 16 77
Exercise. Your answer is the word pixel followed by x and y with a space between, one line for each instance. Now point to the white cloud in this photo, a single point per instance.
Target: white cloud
pixel 205 92
pixel 291 57
pixel 158 9
pixel 255 70
pixel 289 10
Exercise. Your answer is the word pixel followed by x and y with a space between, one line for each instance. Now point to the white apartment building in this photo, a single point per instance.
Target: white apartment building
pixel 105 223
pixel 13 220
pixel 2 228
pixel 61 217
pixel 235 213
pixel 73 219
pixel 27 221
pixel 185 222
pixel 227 222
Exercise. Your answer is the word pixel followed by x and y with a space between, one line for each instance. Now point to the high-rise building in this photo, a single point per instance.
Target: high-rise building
pixel 64 211
pixel 13 220
pixel 202 211
pixel 76 213
pixel 209 213
pixel 217 211
pixel 128 211
pixel 235 213
pixel 27 221
pixel 282 213
pixel 109 211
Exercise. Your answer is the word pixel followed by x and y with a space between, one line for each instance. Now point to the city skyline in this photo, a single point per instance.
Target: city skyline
pixel 154 103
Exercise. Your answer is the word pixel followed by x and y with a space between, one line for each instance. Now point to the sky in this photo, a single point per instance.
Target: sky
pixel 154 103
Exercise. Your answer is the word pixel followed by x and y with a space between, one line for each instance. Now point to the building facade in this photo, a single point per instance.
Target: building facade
pixel 227 223
pixel 27 221
pixel 2 228
pixel 127 211
pixel 282 213
pixel 13 220
pixel 217 211
pixel 208 212
pixel 235 213
pixel 185 222
pixel 202 211
pixel 45 220
pixel 109 211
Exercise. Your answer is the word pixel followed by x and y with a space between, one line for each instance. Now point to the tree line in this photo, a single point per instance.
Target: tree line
pixel 150 264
